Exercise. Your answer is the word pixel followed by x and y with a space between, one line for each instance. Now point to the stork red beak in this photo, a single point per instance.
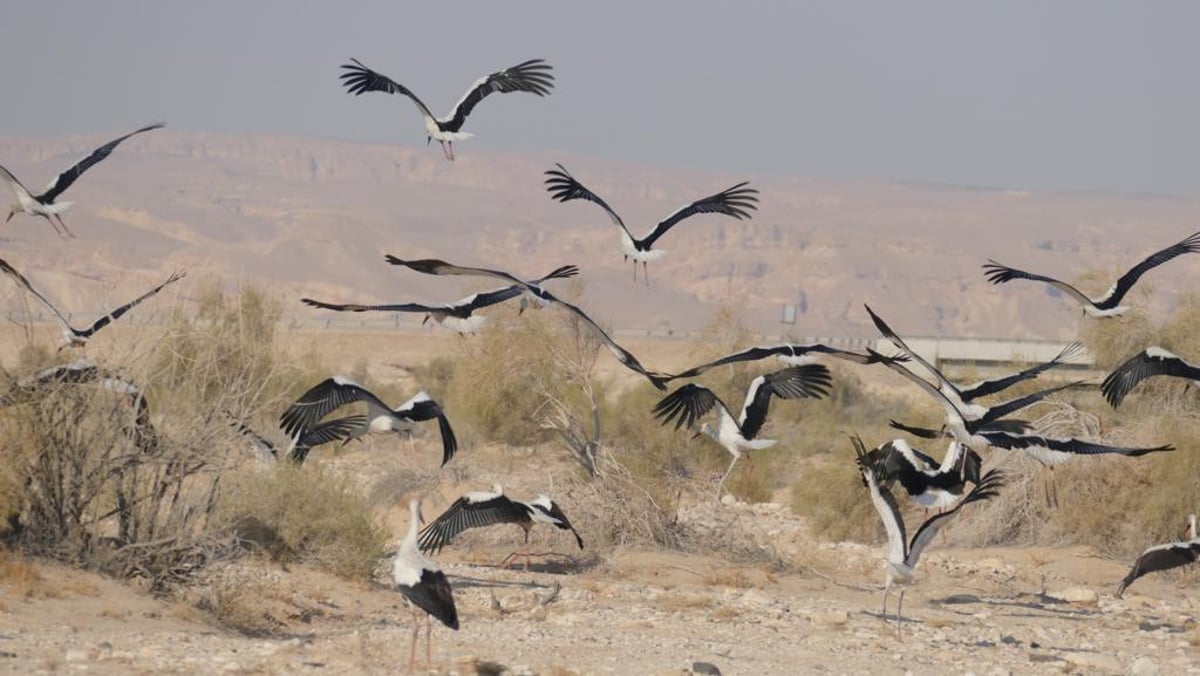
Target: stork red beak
pixel 425 321
pixel 10 215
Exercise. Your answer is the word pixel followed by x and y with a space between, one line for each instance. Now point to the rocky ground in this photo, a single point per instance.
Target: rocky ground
pixel 810 608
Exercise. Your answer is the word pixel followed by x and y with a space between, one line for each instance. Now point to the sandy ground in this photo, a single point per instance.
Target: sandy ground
pixel 636 612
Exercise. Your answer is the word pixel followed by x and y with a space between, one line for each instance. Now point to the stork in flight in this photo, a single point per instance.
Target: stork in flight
pixel 332 393
pixel 459 315
pixel 1164 557
pixel 476 509
pixel 737 201
pixel 1109 304
pixel 44 205
pixel 736 435
pixel 1151 362
pixel 73 337
pixel 536 294
pixel 531 76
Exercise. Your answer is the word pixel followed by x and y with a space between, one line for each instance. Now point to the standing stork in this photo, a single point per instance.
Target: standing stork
pixel 538 295
pixel 736 201
pixel 73 337
pixel 902 554
pixel 531 76
pixel 688 403
pixel 476 509
pixel 44 205
pixel 425 586
pixel 1164 557
pixel 332 393
pixel 1109 304
pixel 1151 362
pixel 459 315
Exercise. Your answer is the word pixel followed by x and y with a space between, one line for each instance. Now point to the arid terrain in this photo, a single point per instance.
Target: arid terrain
pixel 313 217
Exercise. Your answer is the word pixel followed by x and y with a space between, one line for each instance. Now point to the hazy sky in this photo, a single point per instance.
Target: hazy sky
pixel 1046 95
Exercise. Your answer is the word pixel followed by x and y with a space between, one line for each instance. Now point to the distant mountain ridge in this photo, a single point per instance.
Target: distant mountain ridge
pixel 313 217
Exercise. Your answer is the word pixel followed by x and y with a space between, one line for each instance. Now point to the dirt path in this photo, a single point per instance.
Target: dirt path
pixel 982 611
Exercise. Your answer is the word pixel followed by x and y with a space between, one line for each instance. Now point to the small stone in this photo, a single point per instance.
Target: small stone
pixel 1143 666
pixel 1079 595
pixel 1095 661
pixel 76 656
pixel 829 619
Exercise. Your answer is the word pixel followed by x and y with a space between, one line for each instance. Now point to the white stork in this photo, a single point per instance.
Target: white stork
pixel 789 354
pixel 476 509
pixel 962 397
pixel 1164 557
pixel 1109 304
pixel 338 429
pixel 737 201
pixel 459 315
pixel 73 337
pixel 531 76
pixel 1151 362
pixel 44 205
pixel 929 484
pixel 332 393
pixel 902 554
pixel 536 294
pixel 689 402
pixel 425 586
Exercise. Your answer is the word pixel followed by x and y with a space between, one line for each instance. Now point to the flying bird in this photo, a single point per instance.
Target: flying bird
pixel 477 509
pixel 688 403
pixel 535 294
pixel 1051 451
pixel 928 483
pixel 736 201
pixel 1151 362
pixel 963 396
pixel 903 555
pixel 1109 304
pixel 332 393
pixel 425 586
pixel 789 354
pixel 1164 557
pixel 44 205
pixel 459 315
pixel 531 76
pixel 73 337
pixel 338 429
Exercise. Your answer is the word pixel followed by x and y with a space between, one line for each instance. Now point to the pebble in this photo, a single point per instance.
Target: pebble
pixel 1143 666
pixel 1079 595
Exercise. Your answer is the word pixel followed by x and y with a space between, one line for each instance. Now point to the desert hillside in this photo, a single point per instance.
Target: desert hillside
pixel 306 216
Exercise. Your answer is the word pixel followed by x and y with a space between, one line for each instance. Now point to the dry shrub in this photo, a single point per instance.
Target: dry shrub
pixel 306 512
pixel 615 509
pixel 831 496
pixel 237 600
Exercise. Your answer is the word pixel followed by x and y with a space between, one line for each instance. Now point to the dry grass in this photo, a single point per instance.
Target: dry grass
pixel 305 513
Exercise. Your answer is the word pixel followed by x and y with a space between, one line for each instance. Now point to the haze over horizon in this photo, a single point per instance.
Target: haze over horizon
pixel 1071 96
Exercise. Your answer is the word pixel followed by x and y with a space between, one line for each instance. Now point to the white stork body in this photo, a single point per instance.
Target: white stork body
pixel 929 484
pixel 531 76
pixel 425 586
pixel 1108 304
pixel 46 204
pixel 737 435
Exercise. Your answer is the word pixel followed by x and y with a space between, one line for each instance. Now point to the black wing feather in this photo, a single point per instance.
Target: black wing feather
pixel 993 386
pixel 686 405
pixel 65 179
pixel 1161 557
pixel 359 79
pixel 531 76
pixel 736 201
pixel 465 514
pixel 1148 363
pixel 1190 244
